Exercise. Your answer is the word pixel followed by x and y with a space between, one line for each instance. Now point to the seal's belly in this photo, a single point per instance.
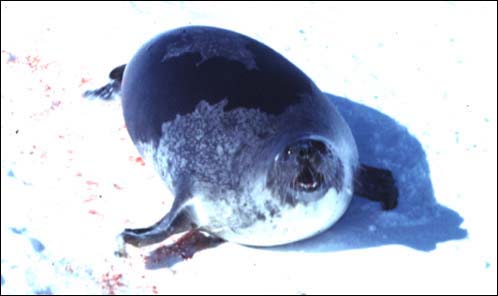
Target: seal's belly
pixel 266 222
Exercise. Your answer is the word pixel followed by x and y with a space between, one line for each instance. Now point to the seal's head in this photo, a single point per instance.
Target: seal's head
pixel 304 171
pixel 305 188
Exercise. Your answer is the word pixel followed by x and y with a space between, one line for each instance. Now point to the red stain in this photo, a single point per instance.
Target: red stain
pixel 117 186
pixel 91 197
pixel 78 174
pixel 89 182
pixel 55 104
pixel 140 161
pixel 184 248
pixel 84 81
pixel 93 212
pixel 111 282
pixel 154 290
pixel 34 62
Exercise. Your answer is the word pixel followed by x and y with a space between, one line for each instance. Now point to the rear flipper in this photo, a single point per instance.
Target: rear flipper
pixel 108 91
pixel 377 185
pixel 184 248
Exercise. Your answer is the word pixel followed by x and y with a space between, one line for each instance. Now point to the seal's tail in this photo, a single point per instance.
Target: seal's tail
pixel 110 90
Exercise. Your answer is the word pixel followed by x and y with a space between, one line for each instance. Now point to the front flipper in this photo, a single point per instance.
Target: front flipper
pixel 176 221
pixel 377 185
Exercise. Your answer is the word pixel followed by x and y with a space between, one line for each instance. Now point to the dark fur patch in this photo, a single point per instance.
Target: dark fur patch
pixel 171 74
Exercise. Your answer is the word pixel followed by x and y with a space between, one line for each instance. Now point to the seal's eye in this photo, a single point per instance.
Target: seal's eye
pixel 288 152
pixel 319 146
pixel 305 150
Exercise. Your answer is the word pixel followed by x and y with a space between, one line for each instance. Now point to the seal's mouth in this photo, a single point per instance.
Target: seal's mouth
pixel 308 179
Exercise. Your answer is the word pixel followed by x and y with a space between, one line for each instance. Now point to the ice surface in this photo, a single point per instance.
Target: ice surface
pixel 421 82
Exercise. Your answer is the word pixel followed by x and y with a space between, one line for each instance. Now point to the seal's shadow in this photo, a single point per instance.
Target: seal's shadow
pixel 418 222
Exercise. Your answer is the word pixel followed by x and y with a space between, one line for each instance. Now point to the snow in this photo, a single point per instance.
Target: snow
pixel 420 79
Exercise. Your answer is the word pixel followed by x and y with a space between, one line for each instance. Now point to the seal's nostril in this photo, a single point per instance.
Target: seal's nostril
pixel 304 152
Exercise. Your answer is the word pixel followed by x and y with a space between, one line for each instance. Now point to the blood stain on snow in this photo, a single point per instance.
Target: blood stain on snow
pixel 92 197
pixel 84 81
pixel 140 161
pixel 55 104
pixel 92 183
pixel 111 282
pixel 184 248
pixel 35 63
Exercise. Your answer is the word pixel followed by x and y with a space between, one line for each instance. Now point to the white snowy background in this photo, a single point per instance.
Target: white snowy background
pixel 421 88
